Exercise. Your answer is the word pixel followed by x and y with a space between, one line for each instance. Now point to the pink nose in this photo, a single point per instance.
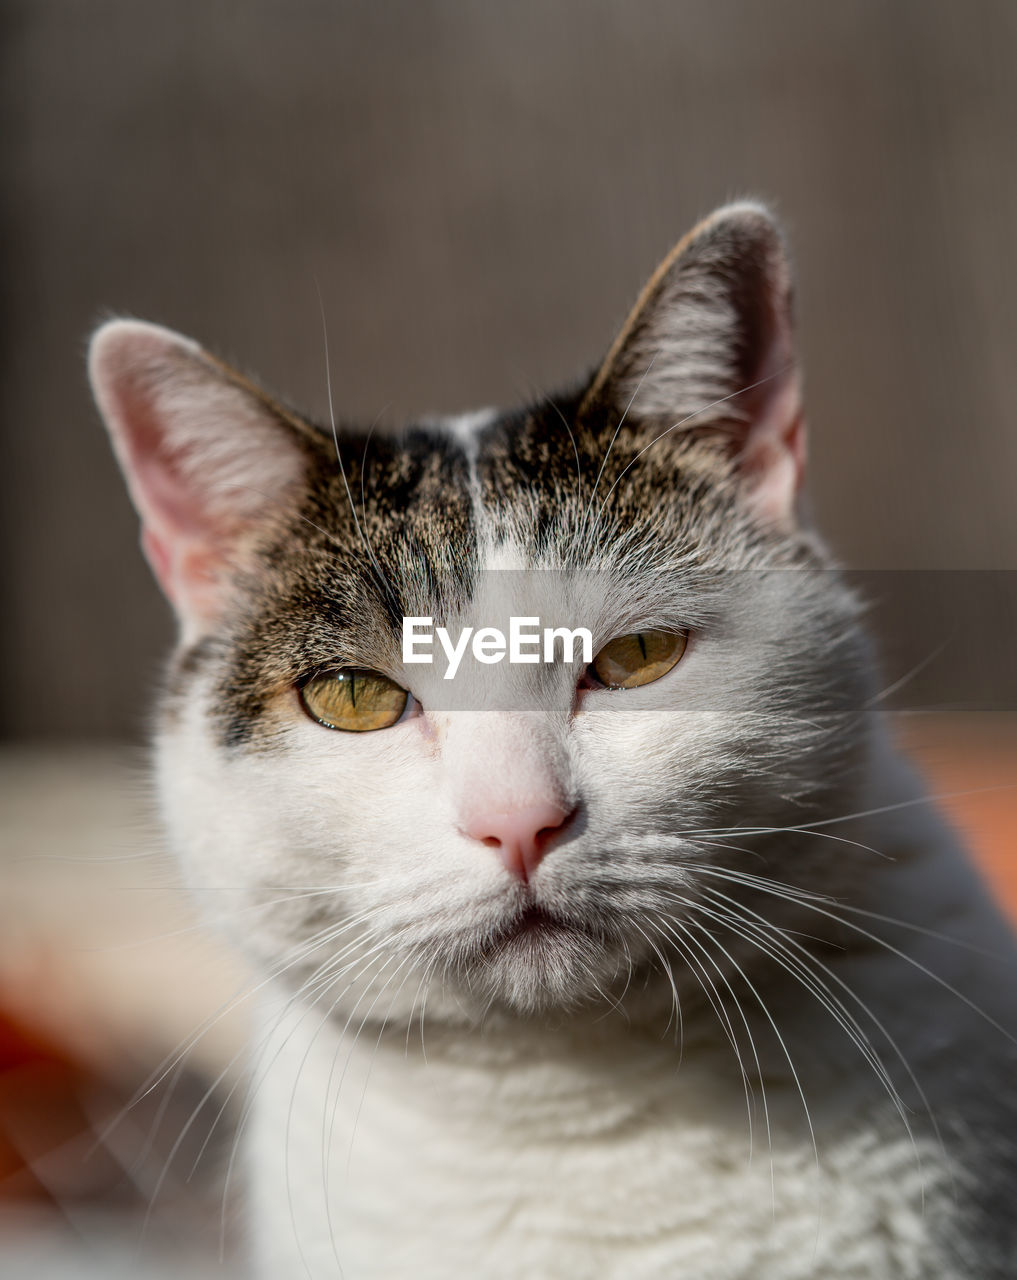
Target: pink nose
pixel 521 837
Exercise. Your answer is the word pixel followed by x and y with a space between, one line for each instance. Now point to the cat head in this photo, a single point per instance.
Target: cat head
pixel 525 834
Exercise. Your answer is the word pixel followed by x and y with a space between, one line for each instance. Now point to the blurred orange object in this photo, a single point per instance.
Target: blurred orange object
pixel 40 1105
pixel 970 762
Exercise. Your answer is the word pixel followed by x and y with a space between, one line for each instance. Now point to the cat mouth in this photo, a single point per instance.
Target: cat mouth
pixel 533 919
pixel 540 958
pixel 533 924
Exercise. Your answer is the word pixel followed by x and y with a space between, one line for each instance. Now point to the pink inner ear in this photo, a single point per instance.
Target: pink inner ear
pixel 156 464
pixel 774 471
pixel 187 571
pixel 158 556
pixel 184 537
pixel 773 450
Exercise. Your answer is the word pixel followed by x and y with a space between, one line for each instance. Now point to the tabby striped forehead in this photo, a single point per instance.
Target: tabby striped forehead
pixel 394 525
pixel 283 547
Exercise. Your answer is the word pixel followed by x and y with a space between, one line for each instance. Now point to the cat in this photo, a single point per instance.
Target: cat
pixel 659 965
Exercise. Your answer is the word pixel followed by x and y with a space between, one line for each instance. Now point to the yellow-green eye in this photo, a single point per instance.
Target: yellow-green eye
pixel 353 700
pixel 638 659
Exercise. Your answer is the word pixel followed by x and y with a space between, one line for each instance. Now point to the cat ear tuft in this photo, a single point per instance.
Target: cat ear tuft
pixel 709 344
pixel 205 454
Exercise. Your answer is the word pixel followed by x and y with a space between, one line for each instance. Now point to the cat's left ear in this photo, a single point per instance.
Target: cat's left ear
pixel 208 457
pixel 709 345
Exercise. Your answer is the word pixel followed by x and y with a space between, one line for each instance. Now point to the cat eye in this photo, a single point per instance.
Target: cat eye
pixel 353 700
pixel 640 658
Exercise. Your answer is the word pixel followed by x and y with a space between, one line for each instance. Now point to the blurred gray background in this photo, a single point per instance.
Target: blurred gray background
pixel 480 190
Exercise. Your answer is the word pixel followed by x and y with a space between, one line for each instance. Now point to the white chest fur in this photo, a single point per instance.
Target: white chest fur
pixel 565 1155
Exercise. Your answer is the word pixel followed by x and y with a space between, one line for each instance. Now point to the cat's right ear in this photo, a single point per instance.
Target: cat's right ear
pixel 709 345
pixel 206 456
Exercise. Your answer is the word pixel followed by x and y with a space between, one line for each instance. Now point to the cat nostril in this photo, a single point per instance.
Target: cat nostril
pixel 521 837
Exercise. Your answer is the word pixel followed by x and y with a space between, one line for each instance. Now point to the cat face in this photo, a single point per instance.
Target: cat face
pixel 524 835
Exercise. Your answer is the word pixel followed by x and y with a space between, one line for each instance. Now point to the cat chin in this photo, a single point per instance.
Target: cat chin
pixel 539 963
